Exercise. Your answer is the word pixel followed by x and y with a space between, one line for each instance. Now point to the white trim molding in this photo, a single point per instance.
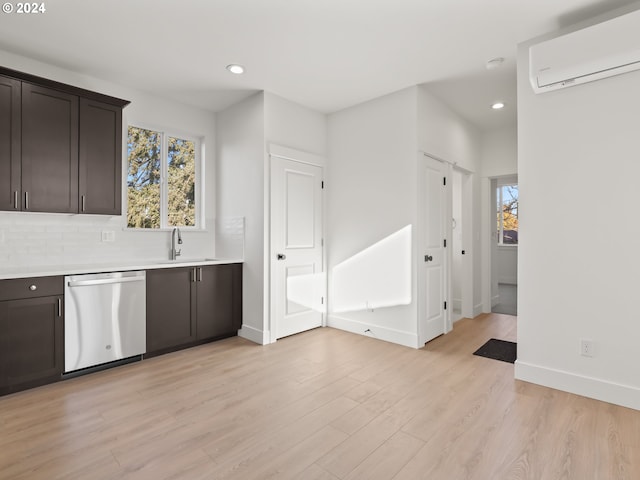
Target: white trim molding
pixel 287 153
pixel 611 392
pixel 407 339
pixel 254 335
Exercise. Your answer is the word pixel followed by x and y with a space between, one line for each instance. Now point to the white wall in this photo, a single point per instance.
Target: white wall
pixel 244 132
pixel 499 152
pixel 291 125
pixel 373 189
pixel 28 239
pixel 578 152
pixel 240 193
pixel 446 135
pixel 499 149
pixel 507 264
pixel 372 193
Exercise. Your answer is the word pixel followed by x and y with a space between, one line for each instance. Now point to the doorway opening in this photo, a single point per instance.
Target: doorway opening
pixel 504 258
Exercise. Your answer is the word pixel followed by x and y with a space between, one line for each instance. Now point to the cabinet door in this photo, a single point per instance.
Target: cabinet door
pixel 171 319
pixel 100 164
pixel 31 342
pixel 9 144
pixel 49 150
pixel 217 309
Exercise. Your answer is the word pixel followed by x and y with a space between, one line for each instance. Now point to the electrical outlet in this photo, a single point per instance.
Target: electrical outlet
pixel 587 348
pixel 108 235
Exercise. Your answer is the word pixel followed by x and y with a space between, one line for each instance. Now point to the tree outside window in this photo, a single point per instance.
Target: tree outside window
pixel 507 211
pixel 161 180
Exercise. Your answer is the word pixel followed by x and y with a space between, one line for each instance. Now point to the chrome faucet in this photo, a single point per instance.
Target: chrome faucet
pixel 175 253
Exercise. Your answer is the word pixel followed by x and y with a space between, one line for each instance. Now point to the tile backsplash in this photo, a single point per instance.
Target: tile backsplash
pixel 31 239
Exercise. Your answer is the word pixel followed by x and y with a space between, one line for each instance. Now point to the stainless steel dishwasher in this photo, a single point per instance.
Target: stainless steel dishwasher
pixel 104 318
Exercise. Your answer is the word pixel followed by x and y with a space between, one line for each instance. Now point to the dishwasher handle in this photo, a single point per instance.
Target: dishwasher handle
pixel 104 281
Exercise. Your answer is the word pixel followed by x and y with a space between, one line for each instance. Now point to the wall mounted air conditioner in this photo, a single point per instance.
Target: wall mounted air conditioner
pixel 600 51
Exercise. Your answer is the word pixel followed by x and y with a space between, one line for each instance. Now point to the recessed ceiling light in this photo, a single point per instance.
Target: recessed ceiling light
pixel 235 68
pixel 497 105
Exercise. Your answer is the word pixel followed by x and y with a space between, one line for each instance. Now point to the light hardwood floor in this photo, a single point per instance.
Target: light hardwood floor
pixel 322 405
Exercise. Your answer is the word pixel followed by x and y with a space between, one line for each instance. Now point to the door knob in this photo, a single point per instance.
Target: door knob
pixel 281 256
pixel 428 258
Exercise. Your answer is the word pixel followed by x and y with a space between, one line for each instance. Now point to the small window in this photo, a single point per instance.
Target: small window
pixel 507 196
pixel 162 181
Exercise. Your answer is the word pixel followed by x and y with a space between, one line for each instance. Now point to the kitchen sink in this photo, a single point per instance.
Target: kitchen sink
pixel 188 260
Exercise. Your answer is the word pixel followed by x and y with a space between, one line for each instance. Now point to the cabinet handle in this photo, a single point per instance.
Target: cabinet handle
pixel 199 274
pixel 82 202
pixel 193 276
pixel 59 307
pixel 26 200
pixel 33 288
pixel 15 200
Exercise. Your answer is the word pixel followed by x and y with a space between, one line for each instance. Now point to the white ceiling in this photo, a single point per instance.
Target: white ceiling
pixel 324 54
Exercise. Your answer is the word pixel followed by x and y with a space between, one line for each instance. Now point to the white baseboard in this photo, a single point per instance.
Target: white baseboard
pixel 254 335
pixel 508 280
pixel 477 310
pixel 495 300
pixel 457 304
pixel 408 339
pixel 618 394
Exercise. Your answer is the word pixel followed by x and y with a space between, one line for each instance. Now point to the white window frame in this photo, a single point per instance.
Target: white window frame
pixel 164 177
pixel 505 182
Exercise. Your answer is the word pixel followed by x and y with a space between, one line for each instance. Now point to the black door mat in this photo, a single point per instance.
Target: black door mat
pixel 498 350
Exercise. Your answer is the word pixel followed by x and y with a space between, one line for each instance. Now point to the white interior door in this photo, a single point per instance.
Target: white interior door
pixel 433 252
pixel 297 282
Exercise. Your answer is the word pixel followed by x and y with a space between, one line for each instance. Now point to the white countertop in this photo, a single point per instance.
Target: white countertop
pixel 53 270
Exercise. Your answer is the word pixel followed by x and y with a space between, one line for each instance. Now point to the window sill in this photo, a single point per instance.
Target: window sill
pixel 165 230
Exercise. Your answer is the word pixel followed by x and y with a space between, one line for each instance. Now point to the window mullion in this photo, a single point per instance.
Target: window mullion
pixel 164 185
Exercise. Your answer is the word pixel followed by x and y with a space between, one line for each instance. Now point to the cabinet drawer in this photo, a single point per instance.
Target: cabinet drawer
pixel 31 287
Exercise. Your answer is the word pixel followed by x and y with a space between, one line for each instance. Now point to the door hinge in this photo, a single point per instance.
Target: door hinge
pixel 445 305
pixel 445 243
pixel 322 242
pixel 322 184
pixel 321 300
pixel 444 181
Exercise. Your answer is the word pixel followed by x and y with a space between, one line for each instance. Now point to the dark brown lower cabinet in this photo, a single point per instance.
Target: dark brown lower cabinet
pixel 219 301
pixel 31 342
pixel 171 316
pixel 192 305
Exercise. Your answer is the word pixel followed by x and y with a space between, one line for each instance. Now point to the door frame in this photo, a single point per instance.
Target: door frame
pixel 467 241
pixel 467 226
pixel 287 153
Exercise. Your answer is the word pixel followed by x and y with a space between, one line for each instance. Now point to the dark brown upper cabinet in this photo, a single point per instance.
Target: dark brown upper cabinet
pixel 60 147
pixel 49 150
pixel 10 111
pixel 100 177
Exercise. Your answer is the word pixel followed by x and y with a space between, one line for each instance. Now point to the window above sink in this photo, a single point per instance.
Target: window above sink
pixel 164 188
